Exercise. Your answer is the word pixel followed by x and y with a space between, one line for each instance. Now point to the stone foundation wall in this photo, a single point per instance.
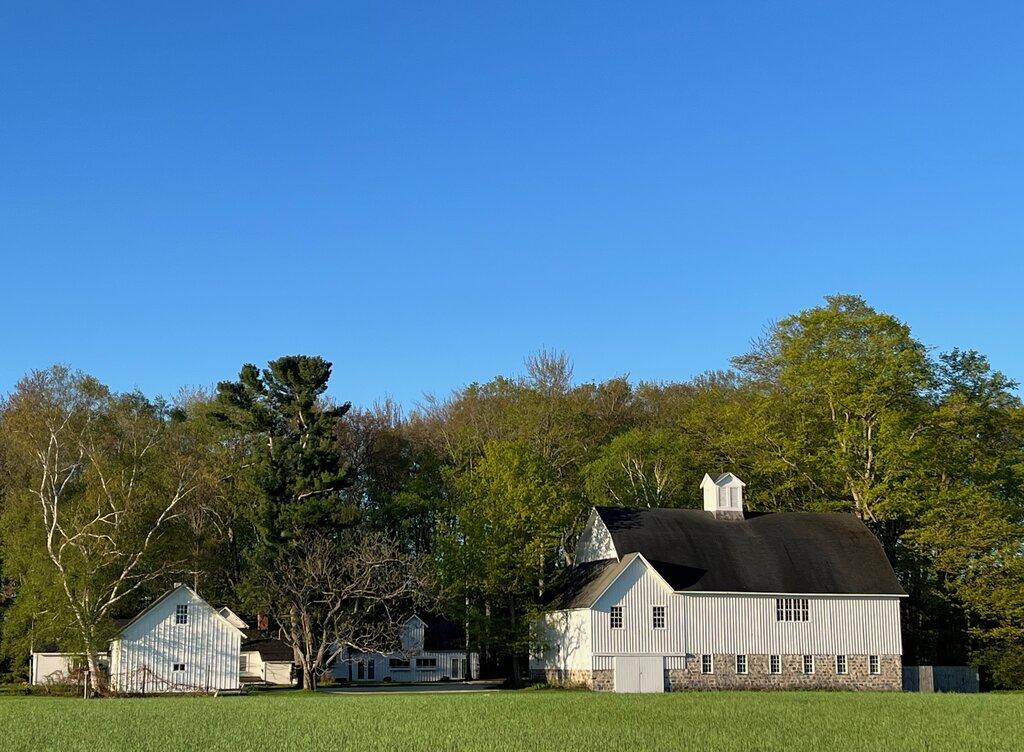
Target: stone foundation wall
pixel 564 678
pixel 889 678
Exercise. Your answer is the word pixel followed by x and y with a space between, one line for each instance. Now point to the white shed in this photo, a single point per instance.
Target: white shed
pixel 180 643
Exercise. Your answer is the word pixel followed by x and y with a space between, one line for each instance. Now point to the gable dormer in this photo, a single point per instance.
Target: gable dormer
pixel 413 632
pixel 723 496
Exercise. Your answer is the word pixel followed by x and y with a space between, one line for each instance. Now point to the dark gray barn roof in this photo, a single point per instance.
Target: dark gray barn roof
pixel 269 648
pixel 787 552
pixel 580 585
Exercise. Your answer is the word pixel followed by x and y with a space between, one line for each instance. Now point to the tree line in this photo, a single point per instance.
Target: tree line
pixel 266 494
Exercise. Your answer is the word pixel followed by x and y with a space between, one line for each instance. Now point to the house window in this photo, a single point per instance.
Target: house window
pixel 873 665
pixel 734 497
pixel 775 664
pixel 707 664
pixel 658 617
pixel 243 663
pixel 398 663
pixel 371 668
pixel 181 614
pixel 179 666
pixel 840 664
pixel 741 664
pixel 616 617
pixel 808 664
pixel 791 609
pixel 426 663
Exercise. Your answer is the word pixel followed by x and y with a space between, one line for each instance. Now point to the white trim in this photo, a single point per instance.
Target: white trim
pixel 790 595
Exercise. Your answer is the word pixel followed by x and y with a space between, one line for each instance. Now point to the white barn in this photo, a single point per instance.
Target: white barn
pixel 433 649
pixel 666 599
pixel 179 643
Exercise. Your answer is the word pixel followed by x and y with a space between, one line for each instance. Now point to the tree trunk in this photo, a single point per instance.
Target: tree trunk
pixel 308 677
pixel 95 679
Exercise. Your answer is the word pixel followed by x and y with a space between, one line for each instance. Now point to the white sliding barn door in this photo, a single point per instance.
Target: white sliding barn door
pixel 635 674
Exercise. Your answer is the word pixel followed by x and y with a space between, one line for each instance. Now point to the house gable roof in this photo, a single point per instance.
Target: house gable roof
pixel 788 552
pixel 167 595
pixel 271 649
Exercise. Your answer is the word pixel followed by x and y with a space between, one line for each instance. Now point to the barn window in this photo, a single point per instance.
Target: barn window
pixel 181 614
pixel 808 664
pixel 873 665
pixel 791 609
pixel 398 663
pixel 741 664
pixel 658 617
pixel 707 664
pixel 426 663
pixel 775 664
pixel 616 617
pixel 179 666
pixel 840 664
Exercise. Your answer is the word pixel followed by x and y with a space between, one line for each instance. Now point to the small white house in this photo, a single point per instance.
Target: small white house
pixel 433 650
pixel 665 599
pixel 266 660
pixel 179 643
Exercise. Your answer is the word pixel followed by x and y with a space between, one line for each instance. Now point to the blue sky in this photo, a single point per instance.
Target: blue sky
pixel 424 193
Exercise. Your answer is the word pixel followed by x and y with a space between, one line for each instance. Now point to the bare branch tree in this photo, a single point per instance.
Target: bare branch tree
pixel 354 592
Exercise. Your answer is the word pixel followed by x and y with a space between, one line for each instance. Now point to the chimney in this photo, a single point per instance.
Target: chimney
pixel 723 496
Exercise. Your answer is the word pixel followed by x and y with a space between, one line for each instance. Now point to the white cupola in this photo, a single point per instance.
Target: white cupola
pixel 723 495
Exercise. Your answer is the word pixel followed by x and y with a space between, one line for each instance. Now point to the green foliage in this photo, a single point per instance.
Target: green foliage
pixel 292 433
pixel 837 408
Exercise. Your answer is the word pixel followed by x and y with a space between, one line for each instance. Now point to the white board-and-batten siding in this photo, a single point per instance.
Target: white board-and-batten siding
pixel 143 657
pixel 709 623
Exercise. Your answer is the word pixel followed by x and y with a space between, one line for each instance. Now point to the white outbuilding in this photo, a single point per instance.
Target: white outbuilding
pixel 433 649
pixel 179 643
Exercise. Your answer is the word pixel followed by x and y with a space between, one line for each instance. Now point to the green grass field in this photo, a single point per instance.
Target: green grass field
pixel 529 720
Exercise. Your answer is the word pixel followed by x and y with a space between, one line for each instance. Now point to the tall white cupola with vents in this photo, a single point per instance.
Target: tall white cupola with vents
pixel 723 495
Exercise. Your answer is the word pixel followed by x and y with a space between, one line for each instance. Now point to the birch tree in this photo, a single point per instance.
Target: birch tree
pixel 98 480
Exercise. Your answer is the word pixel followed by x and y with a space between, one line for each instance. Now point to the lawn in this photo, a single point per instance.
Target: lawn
pixel 537 720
